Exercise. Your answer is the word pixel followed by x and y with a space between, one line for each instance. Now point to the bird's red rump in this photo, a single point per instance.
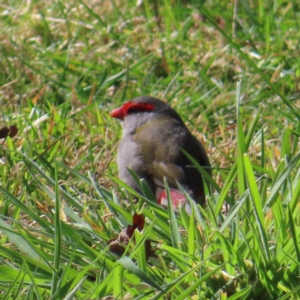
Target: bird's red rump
pixel 177 198
pixel 130 107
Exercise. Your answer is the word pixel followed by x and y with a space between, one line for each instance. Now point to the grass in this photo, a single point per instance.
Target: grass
pixel 230 69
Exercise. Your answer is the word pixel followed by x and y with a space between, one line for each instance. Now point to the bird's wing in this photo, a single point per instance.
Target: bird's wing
pixel 161 141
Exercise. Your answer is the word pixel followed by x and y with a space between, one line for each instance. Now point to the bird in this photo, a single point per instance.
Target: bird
pixel 153 136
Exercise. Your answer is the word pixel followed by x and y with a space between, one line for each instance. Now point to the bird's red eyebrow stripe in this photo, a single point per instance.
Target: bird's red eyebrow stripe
pixel 129 107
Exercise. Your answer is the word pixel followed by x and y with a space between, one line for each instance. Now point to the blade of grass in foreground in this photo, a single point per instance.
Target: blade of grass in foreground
pixel 241 146
pixel 118 281
pixel 282 177
pixel 129 265
pixel 294 235
pixel 33 281
pixel 57 235
pixel 256 205
pixel 175 234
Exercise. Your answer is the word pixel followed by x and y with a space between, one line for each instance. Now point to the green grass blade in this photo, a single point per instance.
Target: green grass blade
pixel 57 236
pixel 256 202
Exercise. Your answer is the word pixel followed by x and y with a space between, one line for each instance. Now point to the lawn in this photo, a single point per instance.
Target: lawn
pixel 232 71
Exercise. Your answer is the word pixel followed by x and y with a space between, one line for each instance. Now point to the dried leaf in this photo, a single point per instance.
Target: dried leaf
pixel 117 245
pixel 11 131
pixel 138 221
pixel 4 132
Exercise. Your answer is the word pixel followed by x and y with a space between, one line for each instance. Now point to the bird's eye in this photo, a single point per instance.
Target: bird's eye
pixel 133 109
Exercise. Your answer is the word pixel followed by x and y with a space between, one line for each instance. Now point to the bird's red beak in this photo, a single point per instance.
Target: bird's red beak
pixel 118 113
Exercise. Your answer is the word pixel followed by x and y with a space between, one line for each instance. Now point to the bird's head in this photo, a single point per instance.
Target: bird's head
pixel 143 109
